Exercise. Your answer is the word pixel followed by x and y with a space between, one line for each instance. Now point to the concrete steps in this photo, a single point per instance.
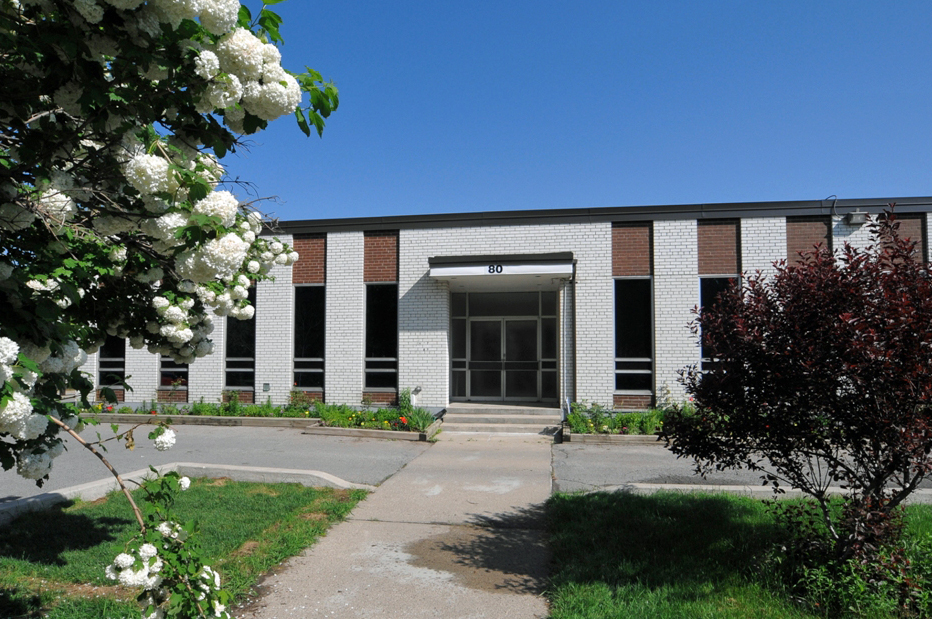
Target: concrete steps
pixel 470 417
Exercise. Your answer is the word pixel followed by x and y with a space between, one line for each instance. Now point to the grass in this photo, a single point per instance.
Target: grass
pixel 52 563
pixel 671 555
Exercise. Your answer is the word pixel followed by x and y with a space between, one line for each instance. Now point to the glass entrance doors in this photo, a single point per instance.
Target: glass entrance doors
pixel 504 357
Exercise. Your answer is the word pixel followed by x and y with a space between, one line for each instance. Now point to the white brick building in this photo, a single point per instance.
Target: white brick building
pixel 541 306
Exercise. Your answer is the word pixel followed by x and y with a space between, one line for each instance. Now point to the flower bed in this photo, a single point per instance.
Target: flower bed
pixel 594 419
pixel 404 418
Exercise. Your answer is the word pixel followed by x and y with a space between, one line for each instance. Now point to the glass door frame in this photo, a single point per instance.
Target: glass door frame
pixel 548 372
pixel 503 349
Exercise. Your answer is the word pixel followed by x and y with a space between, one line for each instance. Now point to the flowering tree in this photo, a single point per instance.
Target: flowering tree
pixel 114 115
pixel 823 377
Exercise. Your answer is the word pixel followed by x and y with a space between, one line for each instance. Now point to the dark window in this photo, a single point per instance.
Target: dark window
pixel 172 374
pixel 241 349
pixel 310 309
pixel 112 365
pixel 634 335
pixel 709 289
pixel 382 336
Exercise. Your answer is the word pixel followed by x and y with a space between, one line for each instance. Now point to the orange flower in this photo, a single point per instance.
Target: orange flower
pixel 404 420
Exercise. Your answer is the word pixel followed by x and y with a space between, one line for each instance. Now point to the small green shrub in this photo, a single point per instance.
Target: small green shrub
pixel 419 419
pixel 169 409
pixel 203 408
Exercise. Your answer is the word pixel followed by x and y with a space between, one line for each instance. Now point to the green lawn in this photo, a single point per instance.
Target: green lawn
pixel 52 563
pixel 671 555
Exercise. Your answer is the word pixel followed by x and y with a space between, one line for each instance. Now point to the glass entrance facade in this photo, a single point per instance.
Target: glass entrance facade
pixel 503 346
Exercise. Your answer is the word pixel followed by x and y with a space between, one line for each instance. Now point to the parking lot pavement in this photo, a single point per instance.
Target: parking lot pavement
pixel 364 461
pixel 588 466
pixel 648 467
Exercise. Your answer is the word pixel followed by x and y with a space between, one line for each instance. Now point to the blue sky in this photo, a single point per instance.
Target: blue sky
pixel 512 105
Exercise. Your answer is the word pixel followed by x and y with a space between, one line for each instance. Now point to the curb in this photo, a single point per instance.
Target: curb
pixel 205 420
pixel 96 489
pixel 426 435
pixel 623 439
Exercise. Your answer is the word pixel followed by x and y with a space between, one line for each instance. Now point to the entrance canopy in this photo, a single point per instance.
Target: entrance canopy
pixel 513 272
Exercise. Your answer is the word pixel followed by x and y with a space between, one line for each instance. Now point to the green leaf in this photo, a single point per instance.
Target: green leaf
pixel 115 427
pixel 245 17
pixel 302 122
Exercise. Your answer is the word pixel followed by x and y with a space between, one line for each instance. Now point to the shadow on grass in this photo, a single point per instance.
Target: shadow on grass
pixel 15 603
pixel 42 537
pixel 686 543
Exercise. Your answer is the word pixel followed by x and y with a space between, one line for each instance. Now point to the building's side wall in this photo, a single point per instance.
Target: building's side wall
pixel 763 242
pixel 718 247
pixel 345 333
pixel 142 374
pixel 311 266
pixel 855 235
pixel 423 307
pixel 804 233
pixel 205 375
pixel 381 256
pixel 676 293
pixel 632 256
pixel 274 334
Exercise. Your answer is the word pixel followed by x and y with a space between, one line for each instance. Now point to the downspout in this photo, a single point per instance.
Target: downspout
pixel 575 334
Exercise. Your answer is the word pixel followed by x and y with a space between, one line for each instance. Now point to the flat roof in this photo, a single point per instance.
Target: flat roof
pixel 726 210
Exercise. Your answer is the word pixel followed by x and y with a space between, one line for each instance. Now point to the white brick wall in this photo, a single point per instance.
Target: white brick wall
pixel 205 375
pixel 856 236
pixel 142 374
pixel 274 335
pixel 763 241
pixel 676 293
pixel 566 359
pixel 928 241
pixel 344 359
pixel 423 306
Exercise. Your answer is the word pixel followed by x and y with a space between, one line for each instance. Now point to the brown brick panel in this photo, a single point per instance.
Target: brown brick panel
pixel 912 228
pixel 119 393
pixel 311 267
pixel 381 256
pixel 632 402
pixel 632 249
pixel 172 396
pixel 803 233
pixel 387 398
pixel 718 245
pixel 244 397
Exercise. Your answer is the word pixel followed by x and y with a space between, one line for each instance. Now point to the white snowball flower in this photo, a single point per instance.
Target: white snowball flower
pixel 224 92
pixel 253 266
pixel 147 551
pixel 33 466
pixel 240 53
pixel 150 174
pixel 123 560
pixel 184 483
pixel 9 350
pixel 219 16
pixel 222 204
pixel 207 65
pixel 166 440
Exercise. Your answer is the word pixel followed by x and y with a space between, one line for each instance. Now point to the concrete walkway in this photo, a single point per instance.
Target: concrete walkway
pixel 457 533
